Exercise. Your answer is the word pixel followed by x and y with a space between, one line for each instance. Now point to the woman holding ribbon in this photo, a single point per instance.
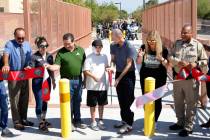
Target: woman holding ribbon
pixel 154 62
pixel 40 58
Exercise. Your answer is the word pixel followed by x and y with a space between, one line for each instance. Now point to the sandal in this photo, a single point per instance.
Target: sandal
pixel 48 124
pixel 43 127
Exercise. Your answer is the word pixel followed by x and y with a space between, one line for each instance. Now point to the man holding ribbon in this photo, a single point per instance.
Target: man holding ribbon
pixel 16 57
pixel 122 55
pixel 69 60
pixel 188 54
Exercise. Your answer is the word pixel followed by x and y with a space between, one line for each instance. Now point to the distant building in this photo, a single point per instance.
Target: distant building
pixel 11 6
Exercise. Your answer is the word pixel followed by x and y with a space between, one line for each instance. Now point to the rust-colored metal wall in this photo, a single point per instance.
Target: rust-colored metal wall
pixel 8 22
pixel 168 19
pixel 49 18
pixel 53 18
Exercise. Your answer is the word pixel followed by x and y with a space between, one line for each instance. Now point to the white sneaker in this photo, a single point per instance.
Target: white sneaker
pixel 7 133
pixel 119 124
pixel 94 126
pixel 125 129
pixel 101 125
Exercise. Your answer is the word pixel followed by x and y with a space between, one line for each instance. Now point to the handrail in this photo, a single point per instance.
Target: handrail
pixel 78 38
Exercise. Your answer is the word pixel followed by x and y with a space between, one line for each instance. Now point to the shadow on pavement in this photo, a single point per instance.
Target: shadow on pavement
pixel 35 130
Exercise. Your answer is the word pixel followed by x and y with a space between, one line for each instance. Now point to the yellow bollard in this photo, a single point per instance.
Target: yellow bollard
pixel 124 34
pixel 110 36
pixel 149 112
pixel 64 87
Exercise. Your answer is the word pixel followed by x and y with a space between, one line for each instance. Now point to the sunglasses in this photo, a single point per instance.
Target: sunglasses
pixel 151 41
pixel 42 46
pixel 20 38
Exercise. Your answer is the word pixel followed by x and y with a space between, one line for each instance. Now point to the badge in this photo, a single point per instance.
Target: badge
pixel 46 90
pixel 38 72
pixel 21 75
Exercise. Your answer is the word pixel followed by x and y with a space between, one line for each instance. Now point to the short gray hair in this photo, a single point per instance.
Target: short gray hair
pixel 117 32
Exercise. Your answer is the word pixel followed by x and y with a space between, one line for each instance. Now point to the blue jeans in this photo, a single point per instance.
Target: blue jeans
pixel 3 106
pixel 41 106
pixel 76 98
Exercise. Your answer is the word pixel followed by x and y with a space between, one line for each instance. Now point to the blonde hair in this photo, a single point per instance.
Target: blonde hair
pixel 154 35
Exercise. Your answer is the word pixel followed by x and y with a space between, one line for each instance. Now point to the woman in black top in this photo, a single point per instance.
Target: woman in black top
pixel 154 62
pixel 40 58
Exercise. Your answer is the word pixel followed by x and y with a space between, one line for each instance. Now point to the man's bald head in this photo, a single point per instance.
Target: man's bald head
pixel 117 35
pixel 186 33
pixel 187 27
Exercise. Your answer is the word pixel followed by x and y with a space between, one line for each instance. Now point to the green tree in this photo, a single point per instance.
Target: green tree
pixel 124 14
pixel 108 12
pixel 93 5
pixel 151 3
pixel 137 14
pixel 78 2
pixel 204 9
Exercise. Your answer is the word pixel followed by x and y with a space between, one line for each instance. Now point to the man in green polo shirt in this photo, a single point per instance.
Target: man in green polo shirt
pixel 69 60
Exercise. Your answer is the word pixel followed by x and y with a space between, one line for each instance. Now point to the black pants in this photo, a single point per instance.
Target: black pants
pixel 158 103
pixel 160 76
pixel 208 89
pixel 125 92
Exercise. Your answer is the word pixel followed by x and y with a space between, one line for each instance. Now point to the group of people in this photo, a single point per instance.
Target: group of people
pixel 91 72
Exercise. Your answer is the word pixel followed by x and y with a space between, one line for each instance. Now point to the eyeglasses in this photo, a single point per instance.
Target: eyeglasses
pixel 151 41
pixel 20 38
pixel 42 46
pixel 98 47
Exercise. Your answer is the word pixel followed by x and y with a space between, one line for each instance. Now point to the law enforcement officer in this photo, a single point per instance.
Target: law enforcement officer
pixel 189 53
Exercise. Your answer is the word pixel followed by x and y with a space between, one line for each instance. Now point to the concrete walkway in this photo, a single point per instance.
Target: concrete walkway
pixel 111 116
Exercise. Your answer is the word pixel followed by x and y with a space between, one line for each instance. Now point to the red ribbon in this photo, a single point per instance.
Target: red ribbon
pixel 45 87
pixel 23 75
pixel 27 74
pixel 195 73
pixel 110 78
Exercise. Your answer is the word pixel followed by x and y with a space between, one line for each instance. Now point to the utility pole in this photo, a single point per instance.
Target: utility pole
pixel 120 7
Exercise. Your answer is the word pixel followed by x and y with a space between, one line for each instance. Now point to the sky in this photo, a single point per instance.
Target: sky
pixel 128 5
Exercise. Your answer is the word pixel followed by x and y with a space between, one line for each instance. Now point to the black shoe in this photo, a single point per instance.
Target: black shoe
pixel 184 133
pixel 48 124
pixel 43 127
pixel 175 127
pixel 80 125
pixel 27 123
pixel 206 125
pixel 73 127
pixel 19 126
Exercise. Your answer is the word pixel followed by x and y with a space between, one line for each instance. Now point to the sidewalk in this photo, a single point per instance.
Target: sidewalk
pixel 112 116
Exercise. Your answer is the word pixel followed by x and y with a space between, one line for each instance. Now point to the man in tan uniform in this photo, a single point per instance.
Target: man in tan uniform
pixel 188 53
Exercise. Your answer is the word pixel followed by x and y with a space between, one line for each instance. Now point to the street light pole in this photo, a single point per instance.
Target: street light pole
pixel 120 7
pixel 144 6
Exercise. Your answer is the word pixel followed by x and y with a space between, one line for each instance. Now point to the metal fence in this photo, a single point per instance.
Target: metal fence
pixel 169 17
